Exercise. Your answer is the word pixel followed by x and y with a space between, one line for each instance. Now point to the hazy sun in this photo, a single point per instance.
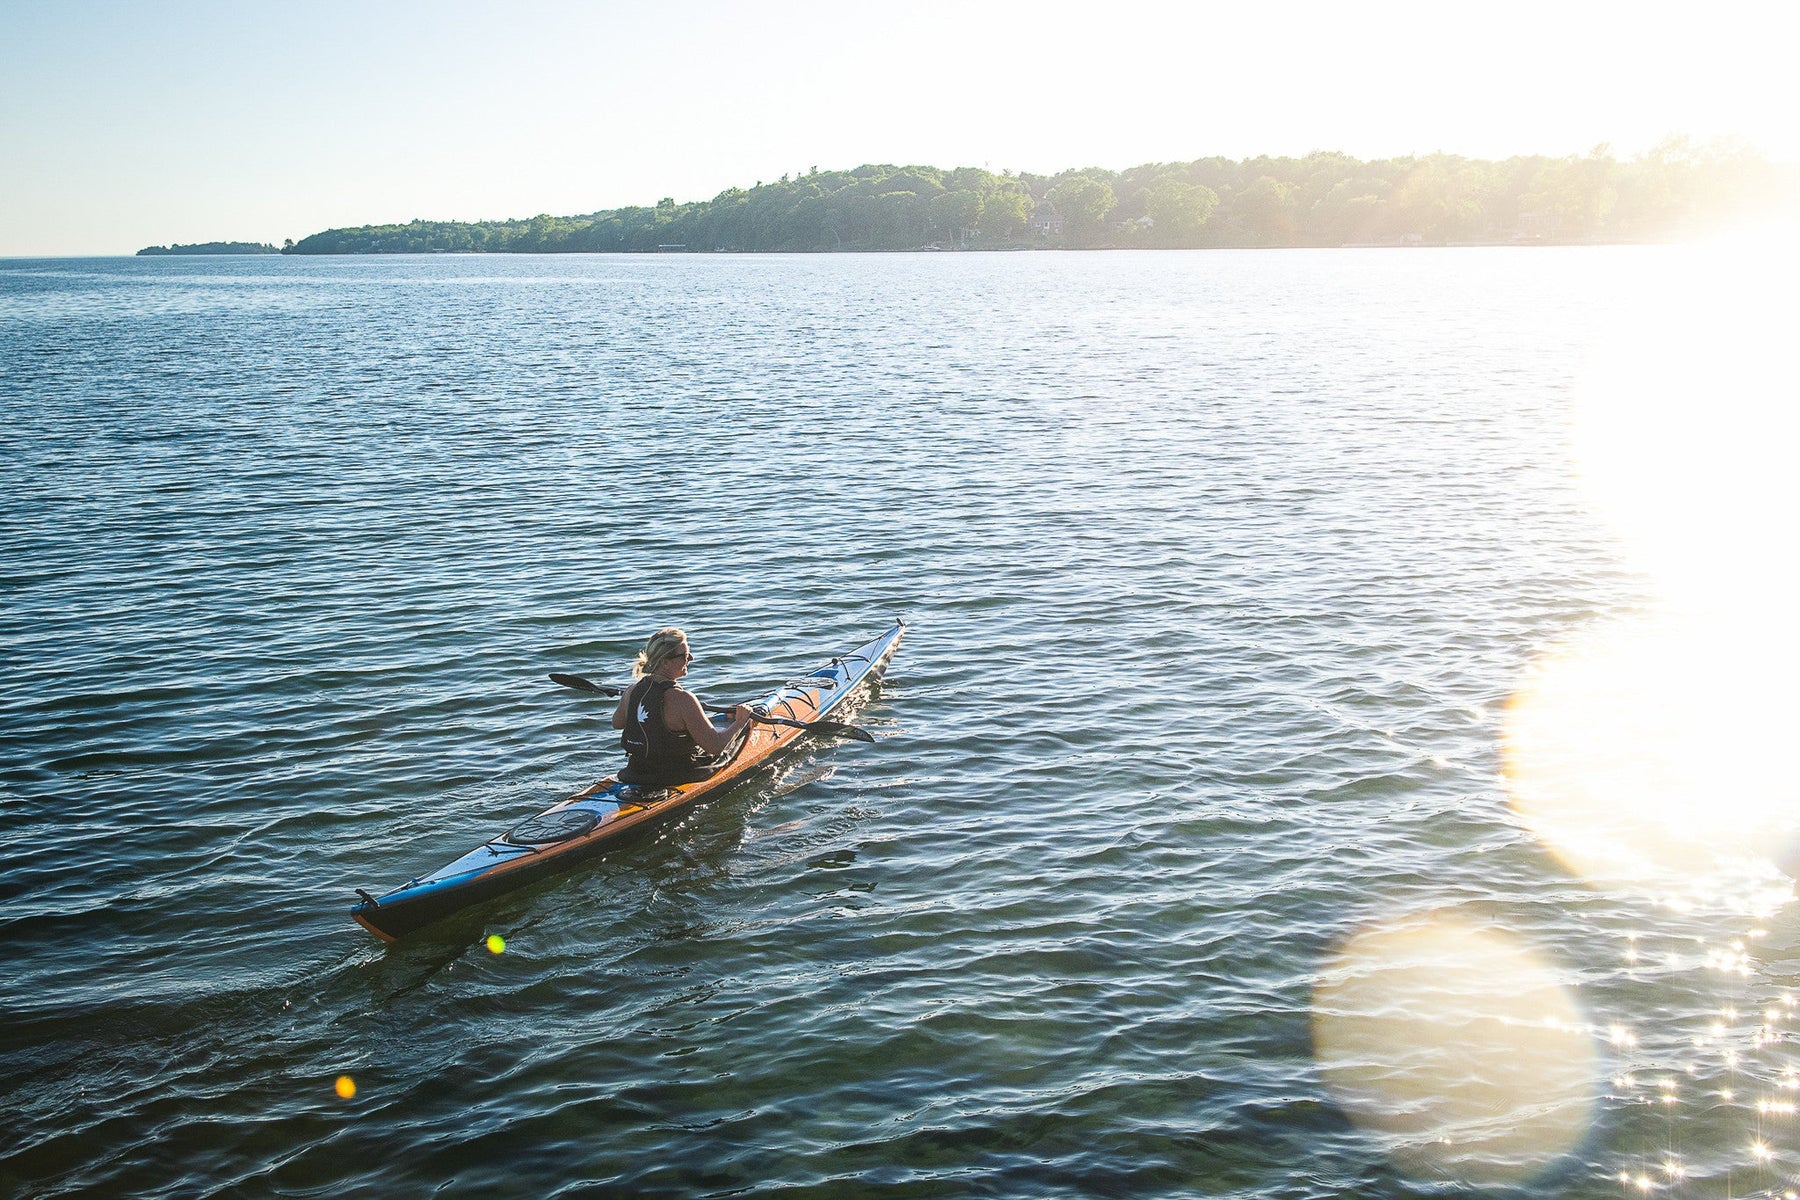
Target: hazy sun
pixel 1656 746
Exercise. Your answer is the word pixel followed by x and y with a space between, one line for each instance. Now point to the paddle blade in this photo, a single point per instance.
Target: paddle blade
pixel 583 685
pixel 839 729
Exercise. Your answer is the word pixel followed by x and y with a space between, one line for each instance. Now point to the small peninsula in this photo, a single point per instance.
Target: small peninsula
pixel 1322 199
pixel 213 248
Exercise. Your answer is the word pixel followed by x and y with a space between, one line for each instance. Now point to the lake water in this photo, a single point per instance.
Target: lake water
pixel 1240 814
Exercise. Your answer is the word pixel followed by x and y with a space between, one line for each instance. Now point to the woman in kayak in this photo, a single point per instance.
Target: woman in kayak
pixel 667 736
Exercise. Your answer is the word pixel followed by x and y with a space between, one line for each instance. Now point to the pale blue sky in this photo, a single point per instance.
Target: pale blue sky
pixel 128 124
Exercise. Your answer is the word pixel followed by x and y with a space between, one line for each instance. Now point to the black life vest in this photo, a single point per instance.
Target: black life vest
pixel 654 753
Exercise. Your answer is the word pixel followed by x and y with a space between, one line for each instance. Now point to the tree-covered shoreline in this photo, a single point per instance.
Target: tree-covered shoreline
pixel 1323 199
pixel 212 248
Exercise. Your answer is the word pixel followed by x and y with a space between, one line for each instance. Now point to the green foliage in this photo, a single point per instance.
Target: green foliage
pixel 1084 202
pixel 1266 212
pixel 955 215
pixel 1324 199
pixel 212 248
pixel 1178 210
pixel 1004 212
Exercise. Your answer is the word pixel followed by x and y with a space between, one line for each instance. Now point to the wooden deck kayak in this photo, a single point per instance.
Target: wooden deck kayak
pixel 595 819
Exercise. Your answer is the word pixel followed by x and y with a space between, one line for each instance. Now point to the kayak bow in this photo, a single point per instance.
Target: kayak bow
pixel 587 824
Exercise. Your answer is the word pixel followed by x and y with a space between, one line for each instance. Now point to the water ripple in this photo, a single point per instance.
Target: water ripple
pixel 1221 569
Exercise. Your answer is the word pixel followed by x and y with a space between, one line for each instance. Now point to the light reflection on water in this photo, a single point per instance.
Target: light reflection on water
pixel 1224 571
pixel 1642 749
pixel 1640 754
pixel 1458 1044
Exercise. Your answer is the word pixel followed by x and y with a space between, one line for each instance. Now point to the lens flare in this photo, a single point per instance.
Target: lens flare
pixel 1650 751
pixel 1457 1047
pixel 496 944
pixel 1683 427
pixel 346 1087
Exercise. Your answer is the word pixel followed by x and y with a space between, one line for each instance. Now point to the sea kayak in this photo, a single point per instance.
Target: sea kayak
pixel 592 821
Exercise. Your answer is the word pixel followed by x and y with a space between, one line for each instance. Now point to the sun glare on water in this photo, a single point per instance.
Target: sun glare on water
pixel 1655 749
pixel 1684 425
pixel 1651 750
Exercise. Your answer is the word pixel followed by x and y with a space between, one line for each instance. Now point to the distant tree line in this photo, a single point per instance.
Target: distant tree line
pixel 213 248
pixel 1323 199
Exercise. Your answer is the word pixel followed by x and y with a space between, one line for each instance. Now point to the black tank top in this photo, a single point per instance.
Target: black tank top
pixel 654 753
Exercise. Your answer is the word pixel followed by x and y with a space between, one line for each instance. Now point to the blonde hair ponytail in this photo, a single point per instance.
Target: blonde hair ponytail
pixel 663 645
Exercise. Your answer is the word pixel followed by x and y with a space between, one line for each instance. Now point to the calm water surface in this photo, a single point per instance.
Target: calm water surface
pixel 1221 569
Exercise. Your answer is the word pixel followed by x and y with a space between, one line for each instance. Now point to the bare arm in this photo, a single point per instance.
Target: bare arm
pixel 619 712
pixel 682 711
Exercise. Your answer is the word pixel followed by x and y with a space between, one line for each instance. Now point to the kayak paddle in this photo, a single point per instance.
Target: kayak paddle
pixel 584 685
pixel 828 728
